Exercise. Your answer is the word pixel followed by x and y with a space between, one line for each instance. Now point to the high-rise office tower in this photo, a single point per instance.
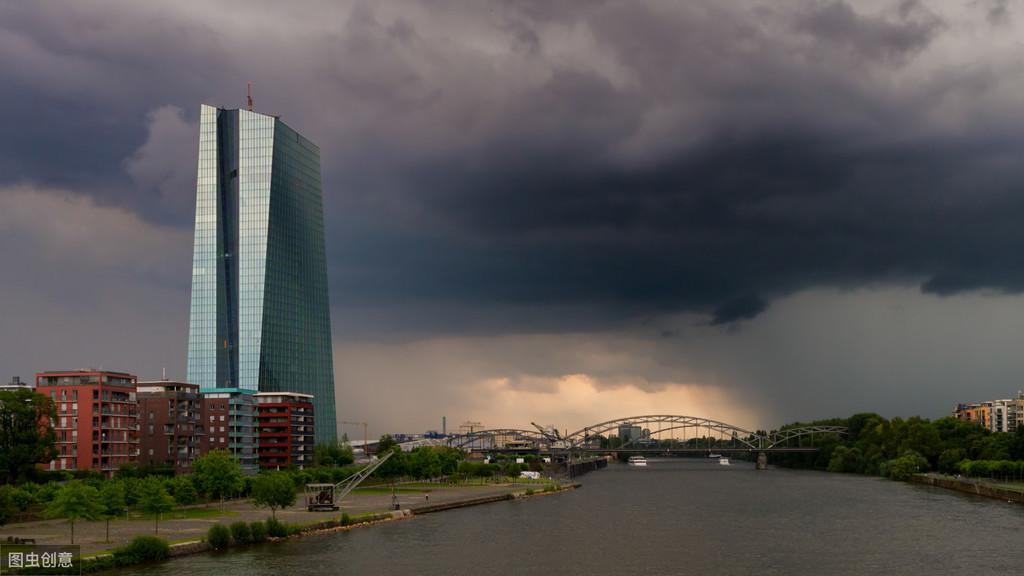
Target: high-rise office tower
pixel 260 318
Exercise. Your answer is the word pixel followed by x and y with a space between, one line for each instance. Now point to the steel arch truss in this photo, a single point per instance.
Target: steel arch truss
pixel 668 423
pixel 783 436
pixel 497 439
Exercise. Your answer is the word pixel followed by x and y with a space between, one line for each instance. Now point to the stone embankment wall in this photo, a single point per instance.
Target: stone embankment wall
pixel 970 487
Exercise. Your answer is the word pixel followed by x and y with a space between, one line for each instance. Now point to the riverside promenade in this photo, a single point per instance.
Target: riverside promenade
pixel 91 535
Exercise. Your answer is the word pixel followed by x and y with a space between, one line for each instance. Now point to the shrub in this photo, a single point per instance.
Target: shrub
pixel 240 533
pixel 345 519
pixel 276 528
pixel 529 491
pixel 218 536
pixel 142 549
pixel 258 531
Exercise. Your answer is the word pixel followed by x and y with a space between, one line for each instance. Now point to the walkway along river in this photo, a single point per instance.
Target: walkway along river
pixel 676 516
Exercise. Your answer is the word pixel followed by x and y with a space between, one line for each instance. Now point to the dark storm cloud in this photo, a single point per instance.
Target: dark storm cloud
pixel 625 158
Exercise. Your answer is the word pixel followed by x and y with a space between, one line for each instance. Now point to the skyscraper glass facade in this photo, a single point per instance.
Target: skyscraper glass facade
pixel 260 317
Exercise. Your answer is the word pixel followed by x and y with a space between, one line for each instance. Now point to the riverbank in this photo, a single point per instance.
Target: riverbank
pixel 468 496
pixel 91 536
pixel 974 486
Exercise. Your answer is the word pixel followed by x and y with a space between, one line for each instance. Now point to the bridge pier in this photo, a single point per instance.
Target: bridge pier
pixel 762 460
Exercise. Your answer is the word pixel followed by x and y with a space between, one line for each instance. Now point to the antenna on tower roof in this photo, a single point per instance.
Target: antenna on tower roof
pixel 249 88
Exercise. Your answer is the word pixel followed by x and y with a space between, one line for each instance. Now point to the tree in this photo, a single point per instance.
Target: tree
pixel 184 490
pixel 217 474
pixel 273 490
pixel 26 432
pixel 386 443
pixel 112 498
pixel 155 500
pixel 7 505
pixel 333 455
pixel 74 501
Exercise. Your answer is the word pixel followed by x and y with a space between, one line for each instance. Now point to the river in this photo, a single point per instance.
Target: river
pixel 677 516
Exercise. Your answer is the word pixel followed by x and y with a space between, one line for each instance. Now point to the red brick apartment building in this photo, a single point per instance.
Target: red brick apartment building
pixel 285 429
pixel 97 421
pixel 170 425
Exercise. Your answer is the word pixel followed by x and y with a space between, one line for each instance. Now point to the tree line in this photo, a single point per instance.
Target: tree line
pixel 899 447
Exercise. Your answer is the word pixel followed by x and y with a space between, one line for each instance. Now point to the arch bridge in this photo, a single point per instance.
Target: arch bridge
pixel 656 433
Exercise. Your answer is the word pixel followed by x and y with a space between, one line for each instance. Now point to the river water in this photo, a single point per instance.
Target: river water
pixel 677 516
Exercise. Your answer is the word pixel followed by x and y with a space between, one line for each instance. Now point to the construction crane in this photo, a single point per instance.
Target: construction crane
pixel 329 496
pixel 471 426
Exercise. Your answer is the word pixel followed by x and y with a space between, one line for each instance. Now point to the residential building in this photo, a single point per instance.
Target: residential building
pixel 260 317
pixel 170 425
pixel 995 415
pixel 15 384
pixel 285 423
pixel 229 418
pixel 976 413
pixel 97 420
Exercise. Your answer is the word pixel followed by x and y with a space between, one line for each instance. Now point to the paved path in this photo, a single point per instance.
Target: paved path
pixel 90 535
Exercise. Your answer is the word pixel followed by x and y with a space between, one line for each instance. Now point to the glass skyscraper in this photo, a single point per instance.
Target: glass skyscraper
pixel 260 319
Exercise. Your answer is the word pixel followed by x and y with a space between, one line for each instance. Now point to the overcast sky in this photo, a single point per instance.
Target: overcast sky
pixel 562 212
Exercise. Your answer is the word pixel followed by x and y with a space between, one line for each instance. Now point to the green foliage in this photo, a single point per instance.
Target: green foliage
pixel 879 446
pixel 258 531
pixel 273 490
pixel 23 498
pixel 26 438
pixel 240 532
pixel 7 506
pixel 333 455
pixel 155 500
pixel 142 549
pixel 184 490
pixel 477 469
pixel 75 501
pixel 905 466
pixel 1000 469
pixel 345 519
pixel 276 528
pixel 218 536
pixel 386 443
pixel 113 498
pixel 136 470
pixel 217 474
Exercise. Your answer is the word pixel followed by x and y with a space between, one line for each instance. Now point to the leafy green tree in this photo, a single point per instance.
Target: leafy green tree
pixel 333 455
pixel 184 490
pixel 907 465
pixel 386 443
pixel 155 500
pixel 26 433
pixel 273 490
pixel 76 500
pixel 7 505
pixel 217 474
pixel 112 498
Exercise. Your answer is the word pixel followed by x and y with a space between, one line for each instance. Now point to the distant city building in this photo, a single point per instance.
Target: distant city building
pixel 995 415
pixel 170 425
pixel 97 420
pixel 260 317
pixel 285 424
pixel 16 383
pixel 229 418
pixel 628 432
